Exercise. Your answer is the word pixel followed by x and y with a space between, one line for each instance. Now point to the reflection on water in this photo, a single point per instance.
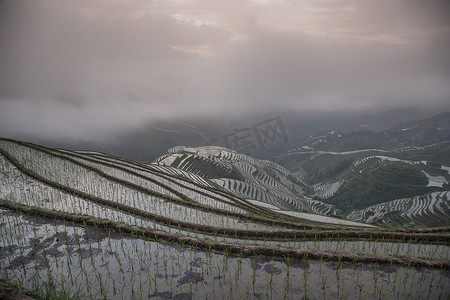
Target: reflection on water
pixel 89 262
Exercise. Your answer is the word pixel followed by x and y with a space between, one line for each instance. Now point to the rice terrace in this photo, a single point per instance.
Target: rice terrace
pixel 87 225
pixel 217 149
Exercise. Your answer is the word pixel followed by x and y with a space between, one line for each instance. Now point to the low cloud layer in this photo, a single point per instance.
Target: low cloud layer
pixel 89 69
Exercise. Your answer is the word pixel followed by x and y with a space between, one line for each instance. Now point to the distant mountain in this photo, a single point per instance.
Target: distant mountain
pixel 148 141
pixel 321 165
pixel 417 133
pixel 399 176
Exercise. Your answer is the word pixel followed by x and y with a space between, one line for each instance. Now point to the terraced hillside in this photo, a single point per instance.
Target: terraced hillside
pixel 318 165
pixel 427 210
pixel 357 180
pixel 260 182
pixel 88 225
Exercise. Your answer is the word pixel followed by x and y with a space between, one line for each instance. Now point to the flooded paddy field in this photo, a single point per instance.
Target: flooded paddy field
pixel 53 256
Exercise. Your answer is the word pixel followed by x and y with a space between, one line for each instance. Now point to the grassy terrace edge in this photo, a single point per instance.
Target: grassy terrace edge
pixel 335 233
pixel 242 203
pixel 191 203
pixel 226 247
pixel 185 201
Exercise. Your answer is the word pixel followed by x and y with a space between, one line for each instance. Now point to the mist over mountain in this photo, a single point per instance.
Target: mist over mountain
pixel 146 143
pixel 234 149
pixel 104 73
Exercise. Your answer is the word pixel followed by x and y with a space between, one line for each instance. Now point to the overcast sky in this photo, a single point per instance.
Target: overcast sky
pixel 85 69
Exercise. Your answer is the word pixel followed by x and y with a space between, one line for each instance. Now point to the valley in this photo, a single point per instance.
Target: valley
pixel 201 222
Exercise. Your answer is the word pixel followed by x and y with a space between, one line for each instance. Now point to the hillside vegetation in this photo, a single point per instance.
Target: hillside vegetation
pixel 389 180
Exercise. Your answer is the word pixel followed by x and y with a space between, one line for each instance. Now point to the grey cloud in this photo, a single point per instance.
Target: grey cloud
pixel 292 68
pixel 89 69
pixel 68 56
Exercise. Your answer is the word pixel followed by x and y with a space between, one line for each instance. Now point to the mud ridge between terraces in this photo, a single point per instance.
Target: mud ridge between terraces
pixel 224 193
pixel 235 200
pixel 165 220
pixel 280 235
pixel 328 235
pixel 189 203
pixel 238 201
pixel 219 190
pixel 287 220
pixel 226 247
pixel 185 201
pixel 12 292
pixel 241 203
pixel 149 168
